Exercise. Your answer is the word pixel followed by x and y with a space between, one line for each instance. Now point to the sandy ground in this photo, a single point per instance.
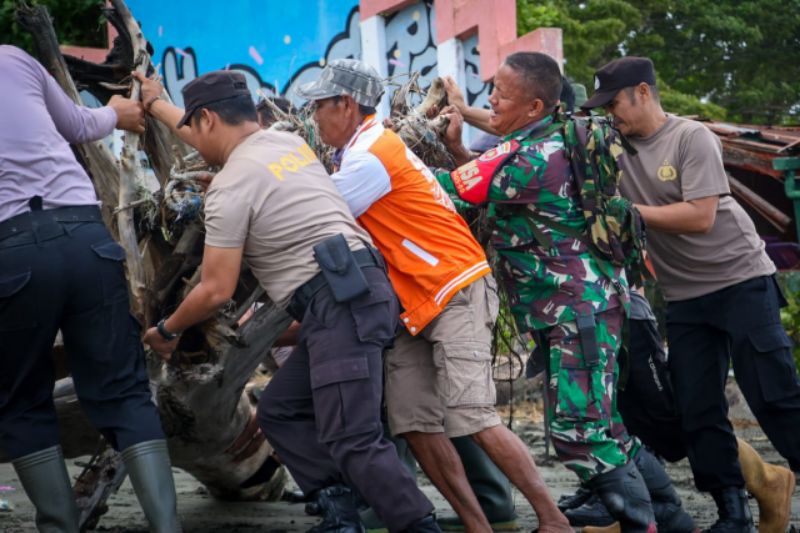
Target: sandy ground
pixel 202 513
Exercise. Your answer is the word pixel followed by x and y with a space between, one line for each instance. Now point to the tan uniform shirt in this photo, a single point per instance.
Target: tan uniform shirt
pixel 275 199
pixel 682 161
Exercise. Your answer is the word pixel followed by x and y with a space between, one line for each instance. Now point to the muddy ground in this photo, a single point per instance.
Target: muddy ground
pixel 202 513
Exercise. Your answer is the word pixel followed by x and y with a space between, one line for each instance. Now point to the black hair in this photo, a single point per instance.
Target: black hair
pixel 540 74
pixel 232 111
pixel 267 113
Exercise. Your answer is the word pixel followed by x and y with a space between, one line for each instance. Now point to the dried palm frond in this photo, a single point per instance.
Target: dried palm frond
pixel 301 122
pixel 420 127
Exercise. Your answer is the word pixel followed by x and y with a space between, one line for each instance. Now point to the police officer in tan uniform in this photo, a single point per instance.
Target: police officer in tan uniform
pixel 273 206
pixel 723 302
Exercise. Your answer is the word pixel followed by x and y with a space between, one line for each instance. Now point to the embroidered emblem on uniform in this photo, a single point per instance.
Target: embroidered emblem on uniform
pixel 667 172
pixel 496 152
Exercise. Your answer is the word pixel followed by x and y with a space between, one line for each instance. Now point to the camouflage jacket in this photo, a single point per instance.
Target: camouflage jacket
pixel 546 285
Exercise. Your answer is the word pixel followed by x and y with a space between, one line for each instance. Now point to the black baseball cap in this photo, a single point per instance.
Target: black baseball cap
pixel 209 88
pixel 617 75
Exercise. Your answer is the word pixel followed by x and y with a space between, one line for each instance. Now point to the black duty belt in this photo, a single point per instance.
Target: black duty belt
pixel 34 220
pixel 365 257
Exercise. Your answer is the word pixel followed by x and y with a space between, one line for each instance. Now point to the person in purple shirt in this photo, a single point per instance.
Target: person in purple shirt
pixel 60 269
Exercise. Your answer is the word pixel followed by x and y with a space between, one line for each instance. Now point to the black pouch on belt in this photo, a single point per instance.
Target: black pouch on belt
pixel 340 269
pixel 588 337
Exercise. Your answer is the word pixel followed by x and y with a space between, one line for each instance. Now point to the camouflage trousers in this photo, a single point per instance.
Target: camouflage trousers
pixel 585 426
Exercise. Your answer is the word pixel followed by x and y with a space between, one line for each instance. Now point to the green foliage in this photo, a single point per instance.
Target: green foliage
pixel 507 339
pixel 77 22
pixel 738 55
pixel 592 30
pixel 790 315
pixel 684 104
pixel 741 54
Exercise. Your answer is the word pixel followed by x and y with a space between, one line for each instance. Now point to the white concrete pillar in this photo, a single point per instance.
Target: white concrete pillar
pixel 450 55
pixel 373 52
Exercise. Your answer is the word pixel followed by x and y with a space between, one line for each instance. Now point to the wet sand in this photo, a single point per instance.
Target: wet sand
pixel 201 513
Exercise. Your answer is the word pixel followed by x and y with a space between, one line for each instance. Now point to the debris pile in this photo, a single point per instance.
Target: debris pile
pixel 750 154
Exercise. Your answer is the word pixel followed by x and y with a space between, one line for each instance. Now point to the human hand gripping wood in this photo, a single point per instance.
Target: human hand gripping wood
pixel 455 97
pixel 452 136
pixel 159 344
pixel 130 114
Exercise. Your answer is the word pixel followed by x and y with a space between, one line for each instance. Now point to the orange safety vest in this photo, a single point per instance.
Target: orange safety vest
pixel 429 249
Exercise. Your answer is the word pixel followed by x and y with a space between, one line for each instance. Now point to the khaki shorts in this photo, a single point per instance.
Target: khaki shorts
pixel 441 379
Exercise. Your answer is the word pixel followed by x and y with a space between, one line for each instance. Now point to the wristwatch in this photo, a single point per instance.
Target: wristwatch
pixel 162 330
pixel 149 103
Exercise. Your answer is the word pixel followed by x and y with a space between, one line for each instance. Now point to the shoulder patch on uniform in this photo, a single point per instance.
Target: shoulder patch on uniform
pixel 472 180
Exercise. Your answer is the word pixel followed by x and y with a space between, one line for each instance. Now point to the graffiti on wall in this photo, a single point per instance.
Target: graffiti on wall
pixel 476 90
pixel 345 45
pixel 271 42
pixel 411 47
pixel 276 54
pixel 409 44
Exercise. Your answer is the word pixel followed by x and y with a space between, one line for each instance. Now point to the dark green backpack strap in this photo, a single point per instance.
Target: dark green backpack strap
pixel 541 236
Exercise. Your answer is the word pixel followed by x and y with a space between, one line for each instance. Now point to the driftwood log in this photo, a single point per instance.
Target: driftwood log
pixel 205 411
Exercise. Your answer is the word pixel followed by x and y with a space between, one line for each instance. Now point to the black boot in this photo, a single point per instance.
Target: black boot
pixel 625 495
pixel 424 525
pixel 667 508
pixel 338 506
pixel 573 501
pixel 734 512
pixel 591 513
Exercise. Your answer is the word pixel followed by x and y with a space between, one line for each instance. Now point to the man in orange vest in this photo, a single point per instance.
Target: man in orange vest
pixel 438 375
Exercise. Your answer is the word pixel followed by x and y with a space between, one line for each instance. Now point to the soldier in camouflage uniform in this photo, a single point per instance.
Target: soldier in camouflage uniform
pixel 555 286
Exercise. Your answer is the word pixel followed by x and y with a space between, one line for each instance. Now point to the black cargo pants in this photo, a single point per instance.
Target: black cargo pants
pixel 645 398
pixel 322 409
pixel 738 324
pixel 68 276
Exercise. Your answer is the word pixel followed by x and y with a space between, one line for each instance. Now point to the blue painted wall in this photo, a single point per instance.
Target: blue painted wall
pixel 280 44
pixel 271 40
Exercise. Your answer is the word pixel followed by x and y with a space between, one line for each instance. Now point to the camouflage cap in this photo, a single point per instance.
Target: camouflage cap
pixel 346 76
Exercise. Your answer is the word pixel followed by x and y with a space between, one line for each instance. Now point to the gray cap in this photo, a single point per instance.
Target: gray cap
pixel 345 76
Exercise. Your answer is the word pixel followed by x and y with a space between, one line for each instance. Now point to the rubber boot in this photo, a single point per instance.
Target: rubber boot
pixel 150 473
pixel 667 508
pixel 491 487
pixel 339 506
pixel 425 525
pixel 733 510
pixel 625 495
pixel 44 477
pixel 772 486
